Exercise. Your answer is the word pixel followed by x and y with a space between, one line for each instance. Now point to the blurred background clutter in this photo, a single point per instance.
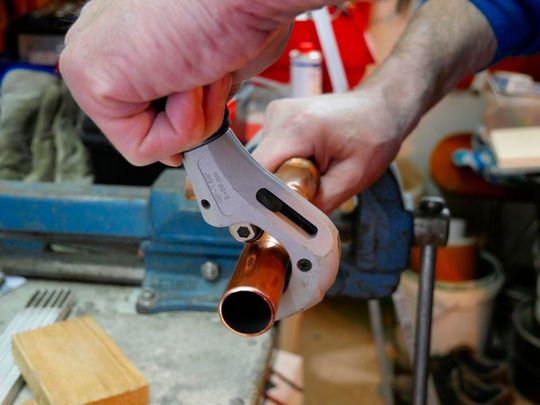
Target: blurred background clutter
pixel 479 148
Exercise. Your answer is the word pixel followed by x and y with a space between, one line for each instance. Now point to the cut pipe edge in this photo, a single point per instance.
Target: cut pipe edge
pixel 251 300
pixel 258 320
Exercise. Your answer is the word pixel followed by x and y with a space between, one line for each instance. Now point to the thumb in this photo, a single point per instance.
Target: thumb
pixel 337 185
pixel 274 150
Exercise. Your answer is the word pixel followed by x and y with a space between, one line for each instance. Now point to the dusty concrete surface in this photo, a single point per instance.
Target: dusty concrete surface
pixel 188 357
pixel 340 363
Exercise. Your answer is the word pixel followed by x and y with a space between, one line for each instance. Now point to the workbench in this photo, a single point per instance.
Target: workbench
pixel 188 357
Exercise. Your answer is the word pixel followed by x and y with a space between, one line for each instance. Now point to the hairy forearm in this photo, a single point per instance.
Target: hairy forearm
pixel 446 41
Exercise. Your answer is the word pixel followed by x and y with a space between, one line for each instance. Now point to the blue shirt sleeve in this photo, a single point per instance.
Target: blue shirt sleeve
pixel 516 24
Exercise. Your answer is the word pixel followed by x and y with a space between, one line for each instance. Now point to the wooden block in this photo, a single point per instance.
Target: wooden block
pixel 76 362
pixel 517 148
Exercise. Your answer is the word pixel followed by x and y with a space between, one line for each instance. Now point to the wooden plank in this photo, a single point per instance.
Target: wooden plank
pixel 76 362
pixel 517 148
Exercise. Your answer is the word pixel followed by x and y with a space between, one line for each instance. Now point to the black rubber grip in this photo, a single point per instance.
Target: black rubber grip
pixel 225 125
pixel 269 200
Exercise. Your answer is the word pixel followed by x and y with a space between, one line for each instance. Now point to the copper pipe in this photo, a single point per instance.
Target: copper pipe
pixel 301 175
pixel 251 300
pixel 189 193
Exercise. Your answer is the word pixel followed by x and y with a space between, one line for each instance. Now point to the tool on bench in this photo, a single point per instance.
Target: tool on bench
pixel 233 190
pixel 43 308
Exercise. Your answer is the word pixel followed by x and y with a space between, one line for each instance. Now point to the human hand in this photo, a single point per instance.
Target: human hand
pixel 352 137
pixel 122 55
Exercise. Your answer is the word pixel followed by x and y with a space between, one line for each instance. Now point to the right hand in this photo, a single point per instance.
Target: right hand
pixel 121 55
pixel 352 137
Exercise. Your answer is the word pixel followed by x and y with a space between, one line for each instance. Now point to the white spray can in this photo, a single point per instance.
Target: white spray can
pixel 306 71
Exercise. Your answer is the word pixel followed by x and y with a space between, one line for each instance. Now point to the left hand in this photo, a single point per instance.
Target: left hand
pixel 352 137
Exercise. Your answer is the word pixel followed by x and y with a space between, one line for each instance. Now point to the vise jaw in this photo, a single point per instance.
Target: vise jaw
pixel 152 236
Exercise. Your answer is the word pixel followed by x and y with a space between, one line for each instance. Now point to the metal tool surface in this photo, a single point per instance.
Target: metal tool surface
pixel 430 231
pixel 232 188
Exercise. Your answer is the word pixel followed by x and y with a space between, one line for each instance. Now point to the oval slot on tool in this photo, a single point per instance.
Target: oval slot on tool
pixel 275 204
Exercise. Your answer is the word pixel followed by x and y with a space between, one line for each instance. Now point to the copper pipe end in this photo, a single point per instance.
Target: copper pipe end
pixel 251 300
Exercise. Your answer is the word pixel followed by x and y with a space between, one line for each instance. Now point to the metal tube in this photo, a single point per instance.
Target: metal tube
pixel 377 330
pixel 249 304
pixel 251 299
pixel 424 309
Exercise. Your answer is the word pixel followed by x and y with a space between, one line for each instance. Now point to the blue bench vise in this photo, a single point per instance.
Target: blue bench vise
pixel 156 237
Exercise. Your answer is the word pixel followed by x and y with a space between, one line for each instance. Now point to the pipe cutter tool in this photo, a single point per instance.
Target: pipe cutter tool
pixel 234 191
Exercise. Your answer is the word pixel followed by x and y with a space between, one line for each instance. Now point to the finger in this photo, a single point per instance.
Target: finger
pixel 273 151
pixel 189 118
pixel 207 115
pixel 338 184
pixel 173 161
pixel 234 89
pixel 90 10
pixel 148 136
pixel 206 111
pixel 215 99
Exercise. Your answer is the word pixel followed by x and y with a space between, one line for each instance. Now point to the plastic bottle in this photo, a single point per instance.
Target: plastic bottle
pixel 306 71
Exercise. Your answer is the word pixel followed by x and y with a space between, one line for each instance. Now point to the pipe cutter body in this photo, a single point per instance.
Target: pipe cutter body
pixel 233 189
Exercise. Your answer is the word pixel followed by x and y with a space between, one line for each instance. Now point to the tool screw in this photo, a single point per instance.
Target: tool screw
pixel 304 265
pixel 147 295
pixel 210 271
pixel 147 300
pixel 432 205
pixel 431 222
pixel 243 232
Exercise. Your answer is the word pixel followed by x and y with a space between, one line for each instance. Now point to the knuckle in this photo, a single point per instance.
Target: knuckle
pixel 278 107
pixel 136 157
pixel 86 9
pixel 65 61
pixel 272 108
pixel 69 37
pixel 308 116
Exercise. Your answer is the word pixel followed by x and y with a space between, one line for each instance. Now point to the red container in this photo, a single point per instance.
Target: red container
pixel 349 28
pixel 453 263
